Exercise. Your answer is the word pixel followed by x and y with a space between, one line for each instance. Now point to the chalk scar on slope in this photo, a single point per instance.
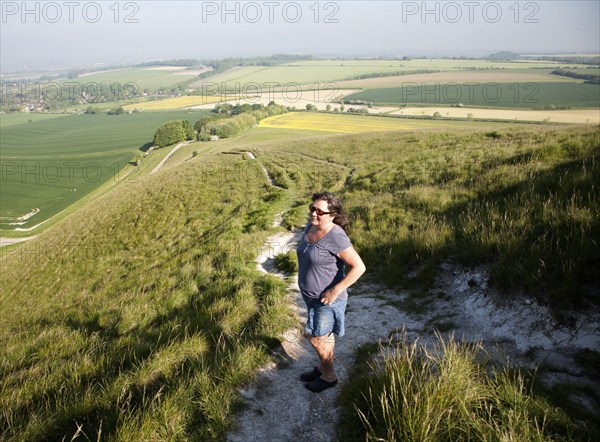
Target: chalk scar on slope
pixel 279 408
pixel 164 160
pixel 264 170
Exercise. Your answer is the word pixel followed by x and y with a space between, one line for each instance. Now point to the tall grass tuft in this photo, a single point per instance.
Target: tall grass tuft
pixel 446 391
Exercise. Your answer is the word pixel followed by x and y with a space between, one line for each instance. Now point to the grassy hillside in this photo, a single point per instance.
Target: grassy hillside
pixel 49 161
pixel 524 200
pixel 137 317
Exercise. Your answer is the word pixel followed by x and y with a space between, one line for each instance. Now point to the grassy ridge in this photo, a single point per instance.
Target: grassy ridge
pixel 520 199
pixel 49 163
pixel 135 318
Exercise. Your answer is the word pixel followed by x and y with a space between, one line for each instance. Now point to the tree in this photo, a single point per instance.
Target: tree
pixel 188 129
pixel 199 126
pixel 169 133
pixel 328 108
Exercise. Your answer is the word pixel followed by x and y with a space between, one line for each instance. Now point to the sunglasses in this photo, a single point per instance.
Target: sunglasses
pixel 312 209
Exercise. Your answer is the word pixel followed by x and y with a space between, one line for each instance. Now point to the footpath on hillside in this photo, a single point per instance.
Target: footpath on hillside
pixel 279 408
pixel 164 160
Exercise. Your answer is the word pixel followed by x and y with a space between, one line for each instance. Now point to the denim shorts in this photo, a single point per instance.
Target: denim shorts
pixel 324 319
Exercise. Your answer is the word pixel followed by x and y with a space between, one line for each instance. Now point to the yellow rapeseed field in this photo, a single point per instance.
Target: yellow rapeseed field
pixel 175 103
pixel 340 122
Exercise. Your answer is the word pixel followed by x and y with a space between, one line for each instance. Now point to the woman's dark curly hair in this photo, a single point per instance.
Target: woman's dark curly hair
pixel 334 204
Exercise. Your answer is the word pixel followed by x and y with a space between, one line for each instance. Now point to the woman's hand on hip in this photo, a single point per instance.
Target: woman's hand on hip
pixel 329 296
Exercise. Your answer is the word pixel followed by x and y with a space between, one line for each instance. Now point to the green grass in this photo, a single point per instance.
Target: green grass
pixel 286 262
pixel 447 391
pixel 14 119
pixel 138 316
pixel 521 200
pixel 49 163
pixel 522 95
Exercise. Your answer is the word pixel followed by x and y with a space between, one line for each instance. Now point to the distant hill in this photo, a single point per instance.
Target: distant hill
pixel 504 55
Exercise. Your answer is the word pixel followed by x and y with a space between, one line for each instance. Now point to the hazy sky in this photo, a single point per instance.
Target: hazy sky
pixel 37 32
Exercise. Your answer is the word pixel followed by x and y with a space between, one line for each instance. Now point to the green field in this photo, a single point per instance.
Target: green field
pixel 526 95
pixel 51 161
pixel 143 78
pixel 14 119
pixel 315 73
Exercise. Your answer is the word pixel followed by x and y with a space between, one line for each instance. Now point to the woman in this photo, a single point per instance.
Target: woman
pixel 322 253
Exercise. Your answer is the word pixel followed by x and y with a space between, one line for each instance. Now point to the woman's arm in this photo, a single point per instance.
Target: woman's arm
pixel 357 268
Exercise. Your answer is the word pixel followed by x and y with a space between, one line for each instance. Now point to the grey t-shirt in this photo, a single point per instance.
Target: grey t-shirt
pixel 319 268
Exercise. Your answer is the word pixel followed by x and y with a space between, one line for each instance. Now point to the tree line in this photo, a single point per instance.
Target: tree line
pixel 589 78
pixel 390 74
pixel 225 121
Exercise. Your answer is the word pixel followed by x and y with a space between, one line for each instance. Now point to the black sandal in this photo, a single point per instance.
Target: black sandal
pixel 320 384
pixel 310 376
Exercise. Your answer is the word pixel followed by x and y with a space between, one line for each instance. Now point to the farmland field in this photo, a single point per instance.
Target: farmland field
pixel 471 76
pixel 49 163
pixel 570 116
pixel 300 74
pixel 317 72
pixel 20 118
pixel 174 103
pixel 502 95
pixel 344 123
pixel 143 78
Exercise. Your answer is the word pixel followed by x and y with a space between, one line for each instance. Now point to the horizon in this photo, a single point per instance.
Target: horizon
pixel 101 65
pixel 86 33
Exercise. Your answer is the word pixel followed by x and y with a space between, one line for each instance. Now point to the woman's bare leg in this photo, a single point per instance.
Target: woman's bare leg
pixel 324 345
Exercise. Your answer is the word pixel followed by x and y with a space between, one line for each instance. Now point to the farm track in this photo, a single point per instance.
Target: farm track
pixel 265 172
pixel 164 160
